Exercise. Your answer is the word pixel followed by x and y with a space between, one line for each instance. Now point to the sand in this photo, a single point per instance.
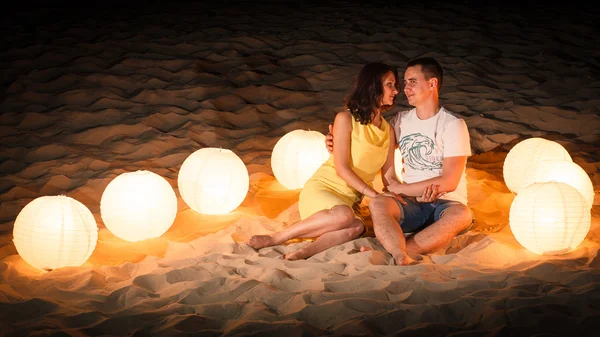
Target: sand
pixel 90 93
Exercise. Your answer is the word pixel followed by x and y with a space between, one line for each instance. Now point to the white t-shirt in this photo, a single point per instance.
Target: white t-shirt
pixel 425 143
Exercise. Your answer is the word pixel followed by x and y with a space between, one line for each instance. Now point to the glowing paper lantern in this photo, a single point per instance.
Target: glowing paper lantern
pixel 138 205
pixel 55 231
pixel 398 164
pixel 297 156
pixel 213 181
pixel 565 172
pixel 549 218
pixel 523 158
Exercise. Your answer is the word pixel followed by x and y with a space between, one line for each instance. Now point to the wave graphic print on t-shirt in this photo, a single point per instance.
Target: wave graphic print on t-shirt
pixel 415 149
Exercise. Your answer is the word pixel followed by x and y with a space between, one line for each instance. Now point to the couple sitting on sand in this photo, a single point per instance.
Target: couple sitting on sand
pixel 432 200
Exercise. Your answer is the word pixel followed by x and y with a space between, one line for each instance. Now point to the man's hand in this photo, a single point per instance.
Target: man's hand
pixel 329 140
pixel 430 193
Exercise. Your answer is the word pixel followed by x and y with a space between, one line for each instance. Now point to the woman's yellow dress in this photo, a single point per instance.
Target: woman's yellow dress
pixel 369 146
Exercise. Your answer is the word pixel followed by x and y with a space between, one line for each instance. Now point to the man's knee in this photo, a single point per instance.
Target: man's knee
pixel 461 216
pixel 382 204
pixel 465 215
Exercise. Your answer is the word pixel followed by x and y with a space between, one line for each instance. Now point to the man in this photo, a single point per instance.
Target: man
pixel 435 145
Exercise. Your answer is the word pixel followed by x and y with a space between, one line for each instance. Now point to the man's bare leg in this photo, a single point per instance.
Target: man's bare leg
pixel 336 218
pixel 328 240
pixel 455 219
pixel 386 214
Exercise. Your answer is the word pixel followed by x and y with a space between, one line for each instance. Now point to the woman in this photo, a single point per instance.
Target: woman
pixel 364 146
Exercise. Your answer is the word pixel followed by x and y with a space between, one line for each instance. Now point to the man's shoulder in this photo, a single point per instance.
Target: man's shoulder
pixel 450 116
pixel 453 122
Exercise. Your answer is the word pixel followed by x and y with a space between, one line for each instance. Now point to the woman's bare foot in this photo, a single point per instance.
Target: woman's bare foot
pixel 300 254
pixel 261 241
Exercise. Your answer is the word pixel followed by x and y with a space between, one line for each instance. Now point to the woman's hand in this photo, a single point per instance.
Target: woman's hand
pixel 430 194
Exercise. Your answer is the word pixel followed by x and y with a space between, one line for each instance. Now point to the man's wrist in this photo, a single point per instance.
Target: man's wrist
pixel 396 188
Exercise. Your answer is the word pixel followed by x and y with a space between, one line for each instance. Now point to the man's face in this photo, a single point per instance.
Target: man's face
pixel 416 88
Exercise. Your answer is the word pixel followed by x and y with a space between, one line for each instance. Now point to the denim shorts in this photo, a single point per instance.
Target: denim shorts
pixel 418 215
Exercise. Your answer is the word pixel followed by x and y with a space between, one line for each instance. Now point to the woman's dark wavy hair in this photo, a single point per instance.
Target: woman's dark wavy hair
pixel 367 91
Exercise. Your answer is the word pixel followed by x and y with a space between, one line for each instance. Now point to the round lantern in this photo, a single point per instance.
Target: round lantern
pixel 549 218
pixel 138 205
pixel 565 172
pixel 213 181
pixel 523 158
pixel 297 156
pixel 55 231
pixel 398 163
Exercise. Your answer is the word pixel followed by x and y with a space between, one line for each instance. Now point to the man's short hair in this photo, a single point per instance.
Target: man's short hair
pixel 430 67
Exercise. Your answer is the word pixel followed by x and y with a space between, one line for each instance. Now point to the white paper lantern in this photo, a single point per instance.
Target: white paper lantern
pixel 398 164
pixel 213 181
pixel 138 205
pixel 55 231
pixel 549 218
pixel 565 172
pixel 523 158
pixel 297 156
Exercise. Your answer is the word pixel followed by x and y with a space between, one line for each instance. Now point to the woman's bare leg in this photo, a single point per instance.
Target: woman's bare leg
pixel 336 218
pixel 328 240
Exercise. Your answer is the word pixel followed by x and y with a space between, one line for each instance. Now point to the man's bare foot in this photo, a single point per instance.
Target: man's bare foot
pixel 404 260
pixel 297 255
pixel 261 241
pixel 401 260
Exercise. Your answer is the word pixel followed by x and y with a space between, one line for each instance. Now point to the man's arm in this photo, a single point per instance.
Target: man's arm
pixel 329 140
pixel 452 170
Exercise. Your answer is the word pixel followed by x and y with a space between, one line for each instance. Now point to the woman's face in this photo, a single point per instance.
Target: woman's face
pixel 389 88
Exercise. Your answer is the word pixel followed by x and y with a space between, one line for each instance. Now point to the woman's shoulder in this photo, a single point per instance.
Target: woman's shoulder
pixel 344 116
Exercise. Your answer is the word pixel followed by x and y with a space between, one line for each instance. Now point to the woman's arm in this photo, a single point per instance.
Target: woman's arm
pixel 388 171
pixel 342 131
